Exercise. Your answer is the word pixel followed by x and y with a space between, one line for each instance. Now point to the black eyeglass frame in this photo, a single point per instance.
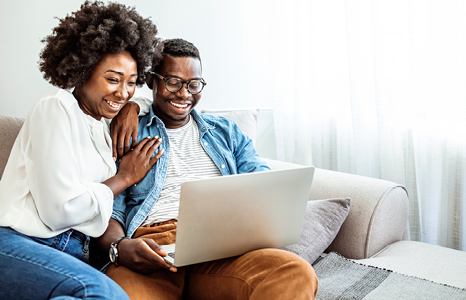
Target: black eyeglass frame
pixel 166 79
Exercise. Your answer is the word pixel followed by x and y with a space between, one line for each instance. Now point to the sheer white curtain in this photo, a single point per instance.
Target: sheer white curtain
pixel 377 88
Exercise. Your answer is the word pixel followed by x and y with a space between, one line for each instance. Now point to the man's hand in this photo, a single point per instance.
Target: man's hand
pixel 124 128
pixel 143 255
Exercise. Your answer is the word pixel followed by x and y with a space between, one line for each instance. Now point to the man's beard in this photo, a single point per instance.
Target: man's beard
pixel 172 118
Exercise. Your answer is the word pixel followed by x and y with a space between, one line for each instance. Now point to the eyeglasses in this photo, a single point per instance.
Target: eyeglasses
pixel 173 84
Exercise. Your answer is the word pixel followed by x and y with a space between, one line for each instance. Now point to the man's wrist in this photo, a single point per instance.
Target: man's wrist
pixel 114 254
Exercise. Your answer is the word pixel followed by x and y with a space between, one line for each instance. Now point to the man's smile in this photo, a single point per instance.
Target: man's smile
pixel 179 105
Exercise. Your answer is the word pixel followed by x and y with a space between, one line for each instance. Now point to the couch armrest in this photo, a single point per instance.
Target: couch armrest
pixel 378 213
pixel 9 128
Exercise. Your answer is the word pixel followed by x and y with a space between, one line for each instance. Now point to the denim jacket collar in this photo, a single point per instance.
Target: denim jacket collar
pixel 203 125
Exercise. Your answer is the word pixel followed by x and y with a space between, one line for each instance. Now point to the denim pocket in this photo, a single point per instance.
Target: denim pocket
pixel 78 246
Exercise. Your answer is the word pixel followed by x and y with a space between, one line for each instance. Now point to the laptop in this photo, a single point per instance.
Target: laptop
pixel 231 215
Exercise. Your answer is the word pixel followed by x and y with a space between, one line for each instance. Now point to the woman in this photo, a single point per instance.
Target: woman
pixel 58 186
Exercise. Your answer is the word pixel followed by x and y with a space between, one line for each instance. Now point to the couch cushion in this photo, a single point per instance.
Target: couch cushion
pixel 322 222
pixel 245 119
pixel 9 128
pixel 422 260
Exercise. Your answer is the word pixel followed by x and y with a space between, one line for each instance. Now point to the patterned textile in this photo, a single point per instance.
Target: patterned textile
pixel 341 278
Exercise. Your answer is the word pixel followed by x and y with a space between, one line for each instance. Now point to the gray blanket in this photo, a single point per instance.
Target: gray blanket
pixel 341 278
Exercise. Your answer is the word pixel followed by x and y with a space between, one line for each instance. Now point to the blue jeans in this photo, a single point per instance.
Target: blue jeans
pixel 51 268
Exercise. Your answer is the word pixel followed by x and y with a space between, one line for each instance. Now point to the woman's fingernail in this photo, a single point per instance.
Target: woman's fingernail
pixel 114 158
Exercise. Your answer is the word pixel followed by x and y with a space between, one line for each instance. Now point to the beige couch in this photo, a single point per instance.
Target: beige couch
pixel 372 232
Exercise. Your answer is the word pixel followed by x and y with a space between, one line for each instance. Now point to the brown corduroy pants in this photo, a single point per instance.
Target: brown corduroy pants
pixel 261 274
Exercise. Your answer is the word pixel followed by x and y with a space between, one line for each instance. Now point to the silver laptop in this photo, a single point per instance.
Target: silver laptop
pixel 230 215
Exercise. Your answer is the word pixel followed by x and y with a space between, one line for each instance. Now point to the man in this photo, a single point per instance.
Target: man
pixel 195 145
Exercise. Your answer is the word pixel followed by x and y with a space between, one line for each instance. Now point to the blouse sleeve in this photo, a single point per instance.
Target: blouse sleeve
pixel 61 199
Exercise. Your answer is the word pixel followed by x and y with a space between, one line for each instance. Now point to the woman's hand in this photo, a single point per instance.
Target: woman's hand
pixel 135 165
pixel 124 129
pixel 142 255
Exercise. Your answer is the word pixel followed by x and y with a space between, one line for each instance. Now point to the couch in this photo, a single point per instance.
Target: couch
pixel 369 231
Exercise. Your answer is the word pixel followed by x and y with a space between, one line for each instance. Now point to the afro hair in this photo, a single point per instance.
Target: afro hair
pixel 82 39
pixel 176 48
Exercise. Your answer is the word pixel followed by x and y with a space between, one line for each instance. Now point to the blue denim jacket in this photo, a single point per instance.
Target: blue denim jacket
pixel 231 150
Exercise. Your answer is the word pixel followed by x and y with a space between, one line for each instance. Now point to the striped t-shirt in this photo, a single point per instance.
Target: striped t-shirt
pixel 187 161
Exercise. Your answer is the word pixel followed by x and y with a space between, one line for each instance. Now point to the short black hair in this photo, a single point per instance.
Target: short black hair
pixel 176 48
pixel 82 39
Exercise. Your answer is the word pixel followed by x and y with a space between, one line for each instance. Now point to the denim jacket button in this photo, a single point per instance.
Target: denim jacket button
pixel 205 144
pixel 223 166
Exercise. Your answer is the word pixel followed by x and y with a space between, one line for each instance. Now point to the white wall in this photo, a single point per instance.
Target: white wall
pixel 233 37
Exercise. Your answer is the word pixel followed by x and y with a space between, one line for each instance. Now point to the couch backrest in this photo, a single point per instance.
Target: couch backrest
pixel 9 128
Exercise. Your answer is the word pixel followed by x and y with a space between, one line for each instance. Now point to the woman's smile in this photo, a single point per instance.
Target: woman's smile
pixel 113 105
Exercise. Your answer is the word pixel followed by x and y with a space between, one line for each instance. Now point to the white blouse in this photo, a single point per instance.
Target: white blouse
pixel 52 181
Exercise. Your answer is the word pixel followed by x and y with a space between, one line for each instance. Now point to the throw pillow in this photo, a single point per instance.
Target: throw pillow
pixel 245 119
pixel 322 222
